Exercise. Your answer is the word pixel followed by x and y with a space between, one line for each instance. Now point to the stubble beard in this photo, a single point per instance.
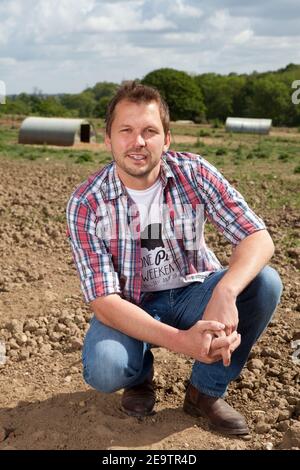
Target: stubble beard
pixel 135 172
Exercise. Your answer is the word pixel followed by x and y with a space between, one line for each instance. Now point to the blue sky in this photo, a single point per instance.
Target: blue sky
pixel 67 45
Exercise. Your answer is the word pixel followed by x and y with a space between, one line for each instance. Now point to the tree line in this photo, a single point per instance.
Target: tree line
pixel 200 98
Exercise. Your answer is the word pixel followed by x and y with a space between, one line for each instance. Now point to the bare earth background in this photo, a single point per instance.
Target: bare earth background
pixel 44 402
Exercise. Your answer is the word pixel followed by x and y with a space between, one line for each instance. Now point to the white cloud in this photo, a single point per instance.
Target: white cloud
pixel 50 19
pixel 123 19
pixel 7 61
pixel 8 26
pixel 179 7
pixel 243 36
pixel 10 7
pixel 185 40
pixel 220 20
pixel 63 45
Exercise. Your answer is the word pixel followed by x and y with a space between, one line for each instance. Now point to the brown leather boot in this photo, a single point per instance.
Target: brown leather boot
pixel 221 416
pixel 139 400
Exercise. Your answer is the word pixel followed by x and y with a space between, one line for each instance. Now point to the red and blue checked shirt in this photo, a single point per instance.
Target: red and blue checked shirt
pixel 103 225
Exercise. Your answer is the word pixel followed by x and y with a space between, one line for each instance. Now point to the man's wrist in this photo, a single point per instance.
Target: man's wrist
pixel 178 341
pixel 227 290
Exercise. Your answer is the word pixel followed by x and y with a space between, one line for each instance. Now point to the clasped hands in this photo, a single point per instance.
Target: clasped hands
pixel 215 337
pixel 210 341
pixel 220 346
pixel 220 342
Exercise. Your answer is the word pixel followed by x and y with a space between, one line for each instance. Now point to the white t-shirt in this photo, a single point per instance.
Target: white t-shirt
pixel 159 271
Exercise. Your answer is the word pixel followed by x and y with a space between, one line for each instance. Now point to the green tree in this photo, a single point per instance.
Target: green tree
pixel 51 106
pixel 220 94
pixel 103 89
pixel 101 106
pixel 179 89
pixel 83 103
pixel 266 97
pixel 15 106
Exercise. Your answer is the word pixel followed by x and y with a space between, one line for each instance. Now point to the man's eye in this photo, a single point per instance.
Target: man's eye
pixel 151 131
pixel 125 130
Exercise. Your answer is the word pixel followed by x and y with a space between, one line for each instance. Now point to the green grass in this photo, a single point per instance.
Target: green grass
pixel 204 133
pixel 194 130
pixel 221 151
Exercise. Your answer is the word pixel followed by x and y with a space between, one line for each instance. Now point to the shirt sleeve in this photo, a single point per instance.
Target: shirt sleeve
pixel 225 207
pixel 93 262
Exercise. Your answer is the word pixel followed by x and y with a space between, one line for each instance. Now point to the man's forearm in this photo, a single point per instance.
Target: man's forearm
pixel 246 261
pixel 133 321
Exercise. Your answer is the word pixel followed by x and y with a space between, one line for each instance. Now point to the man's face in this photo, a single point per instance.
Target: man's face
pixel 137 142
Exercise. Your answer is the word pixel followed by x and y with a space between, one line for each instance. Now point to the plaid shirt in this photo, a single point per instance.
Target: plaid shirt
pixel 104 232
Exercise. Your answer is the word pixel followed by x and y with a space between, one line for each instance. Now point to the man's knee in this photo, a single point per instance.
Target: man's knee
pixel 266 289
pixel 105 376
pixel 106 369
pixel 269 283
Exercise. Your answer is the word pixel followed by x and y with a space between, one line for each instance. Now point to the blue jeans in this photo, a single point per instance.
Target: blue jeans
pixel 113 360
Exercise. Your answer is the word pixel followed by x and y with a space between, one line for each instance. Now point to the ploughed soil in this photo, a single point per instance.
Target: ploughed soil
pixel 44 402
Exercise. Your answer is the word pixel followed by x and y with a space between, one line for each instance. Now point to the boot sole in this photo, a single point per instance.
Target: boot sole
pixel 193 411
pixel 137 415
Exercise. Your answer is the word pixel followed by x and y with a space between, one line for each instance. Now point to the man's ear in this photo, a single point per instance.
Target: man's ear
pixel 107 142
pixel 167 141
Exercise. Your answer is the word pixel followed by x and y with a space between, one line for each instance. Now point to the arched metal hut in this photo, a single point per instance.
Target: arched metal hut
pixel 256 126
pixel 55 131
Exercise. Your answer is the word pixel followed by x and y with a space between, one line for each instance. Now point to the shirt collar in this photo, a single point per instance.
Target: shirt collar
pixel 112 187
pixel 166 171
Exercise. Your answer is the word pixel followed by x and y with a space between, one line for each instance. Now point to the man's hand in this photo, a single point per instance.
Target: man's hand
pixel 222 308
pixel 206 340
pixel 221 348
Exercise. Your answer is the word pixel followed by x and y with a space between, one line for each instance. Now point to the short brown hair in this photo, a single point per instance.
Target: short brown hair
pixel 137 93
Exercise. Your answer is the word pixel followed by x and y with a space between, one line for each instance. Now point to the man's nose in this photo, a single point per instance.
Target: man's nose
pixel 139 140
